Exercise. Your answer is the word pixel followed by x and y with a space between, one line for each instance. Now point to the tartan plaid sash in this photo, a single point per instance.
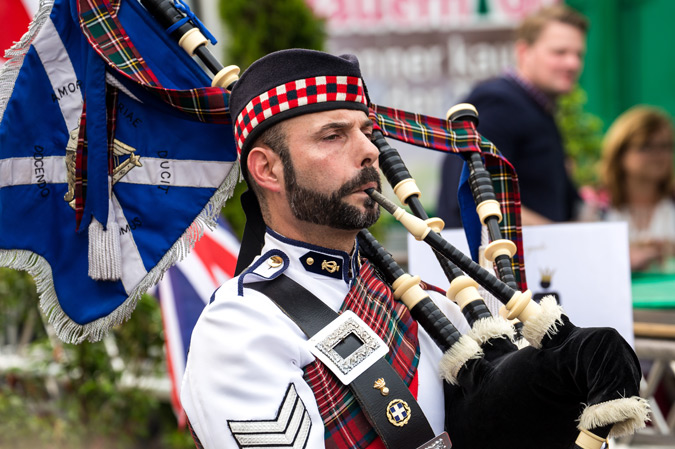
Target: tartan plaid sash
pixel 101 26
pixel 371 299
pixel 456 137
pixel 429 132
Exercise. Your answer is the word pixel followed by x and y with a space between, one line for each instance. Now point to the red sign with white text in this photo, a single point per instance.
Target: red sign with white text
pixel 384 16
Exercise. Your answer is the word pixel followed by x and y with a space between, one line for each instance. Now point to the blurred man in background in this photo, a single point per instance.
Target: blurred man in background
pixel 516 112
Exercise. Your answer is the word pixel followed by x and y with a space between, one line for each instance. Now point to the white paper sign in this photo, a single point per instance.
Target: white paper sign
pixel 587 263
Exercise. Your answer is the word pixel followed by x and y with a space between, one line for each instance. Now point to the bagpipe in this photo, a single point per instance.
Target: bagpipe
pixel 571 387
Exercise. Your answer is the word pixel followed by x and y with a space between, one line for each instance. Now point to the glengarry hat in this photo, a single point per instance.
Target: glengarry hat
pixel 289 83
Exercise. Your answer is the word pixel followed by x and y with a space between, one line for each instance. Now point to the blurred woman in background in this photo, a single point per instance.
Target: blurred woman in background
pixel 637 171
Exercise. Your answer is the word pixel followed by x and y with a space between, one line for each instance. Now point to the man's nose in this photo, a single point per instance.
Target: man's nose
pixel 574 61
pixel 368 151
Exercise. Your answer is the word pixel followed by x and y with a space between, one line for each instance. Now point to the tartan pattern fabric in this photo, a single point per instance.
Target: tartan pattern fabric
pixel 507 191
pixel 432 288
pixel 111 116
pixel 81 168
pixel 102 28
pixel 371 299
pixel 426 131
pixel 294 94
pixel 457 137
pixel 98 20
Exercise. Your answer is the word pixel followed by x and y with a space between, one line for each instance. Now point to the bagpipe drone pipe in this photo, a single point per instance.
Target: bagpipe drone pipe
pixel 571 387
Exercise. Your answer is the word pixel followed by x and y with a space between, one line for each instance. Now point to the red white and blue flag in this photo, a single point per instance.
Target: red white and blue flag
pixel 184 292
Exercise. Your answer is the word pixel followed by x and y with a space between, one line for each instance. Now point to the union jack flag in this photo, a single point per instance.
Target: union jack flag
pixel 184 292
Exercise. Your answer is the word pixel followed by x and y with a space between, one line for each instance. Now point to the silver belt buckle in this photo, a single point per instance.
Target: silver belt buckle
pixel 323 344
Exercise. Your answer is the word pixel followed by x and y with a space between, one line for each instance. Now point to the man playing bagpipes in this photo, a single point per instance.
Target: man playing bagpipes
pixel 290 352
pixel 302 128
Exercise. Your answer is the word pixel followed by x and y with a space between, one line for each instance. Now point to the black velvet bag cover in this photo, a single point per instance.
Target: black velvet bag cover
pixel 533 398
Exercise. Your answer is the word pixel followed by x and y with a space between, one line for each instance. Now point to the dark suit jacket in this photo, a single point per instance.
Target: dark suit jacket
pixel 526 134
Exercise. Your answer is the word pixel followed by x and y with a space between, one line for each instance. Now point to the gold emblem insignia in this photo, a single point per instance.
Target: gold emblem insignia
pixel 71 153
pixel 330 266
pixel 121 168
pixel 398 412
pixel 381 385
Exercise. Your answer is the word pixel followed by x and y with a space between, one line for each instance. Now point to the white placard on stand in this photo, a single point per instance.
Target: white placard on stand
pixel 587 262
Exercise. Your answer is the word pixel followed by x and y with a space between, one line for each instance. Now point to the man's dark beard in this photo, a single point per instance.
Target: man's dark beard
pixel 329 210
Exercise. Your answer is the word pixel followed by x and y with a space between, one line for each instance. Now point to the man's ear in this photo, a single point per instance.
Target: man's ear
pixel 265 168
pixel 521 48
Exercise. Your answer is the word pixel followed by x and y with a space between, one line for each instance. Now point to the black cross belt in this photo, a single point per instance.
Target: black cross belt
pixel 312 315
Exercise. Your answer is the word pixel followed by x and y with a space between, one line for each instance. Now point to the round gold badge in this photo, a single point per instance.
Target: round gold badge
pixel 398 412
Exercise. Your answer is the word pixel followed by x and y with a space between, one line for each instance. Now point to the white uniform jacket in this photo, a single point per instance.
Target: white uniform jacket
pixel 243 384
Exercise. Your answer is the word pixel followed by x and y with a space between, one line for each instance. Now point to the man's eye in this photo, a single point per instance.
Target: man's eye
pixel 332 137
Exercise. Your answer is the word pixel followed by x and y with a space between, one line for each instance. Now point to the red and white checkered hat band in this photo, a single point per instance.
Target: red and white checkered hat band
pixel 294 94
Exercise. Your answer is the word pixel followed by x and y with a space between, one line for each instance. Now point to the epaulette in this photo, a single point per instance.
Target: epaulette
pixel 266 267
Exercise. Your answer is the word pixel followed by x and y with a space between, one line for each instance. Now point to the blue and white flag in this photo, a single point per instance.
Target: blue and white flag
pixel 114 153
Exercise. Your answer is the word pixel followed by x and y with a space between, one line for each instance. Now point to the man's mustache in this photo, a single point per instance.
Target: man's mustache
pixel 365 176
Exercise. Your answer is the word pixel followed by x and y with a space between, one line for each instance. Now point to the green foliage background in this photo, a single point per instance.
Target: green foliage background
pixel 256 29
pixel 261 27
pixel 582 134
pixel 71 397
